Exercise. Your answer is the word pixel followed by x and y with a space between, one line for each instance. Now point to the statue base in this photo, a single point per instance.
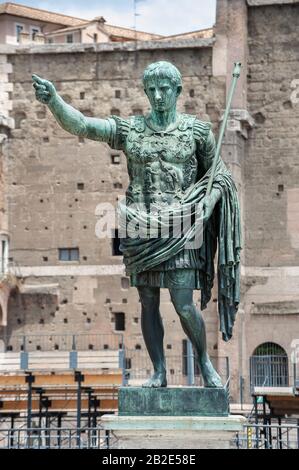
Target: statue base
pixel 173 401
pixel 172 432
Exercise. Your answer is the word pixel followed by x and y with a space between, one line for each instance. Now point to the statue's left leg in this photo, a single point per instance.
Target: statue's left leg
pixel 194 327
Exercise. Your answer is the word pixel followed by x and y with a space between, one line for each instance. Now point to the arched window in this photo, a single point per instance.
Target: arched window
pixel 269 366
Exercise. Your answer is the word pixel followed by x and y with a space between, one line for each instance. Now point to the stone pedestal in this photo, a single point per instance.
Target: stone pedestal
pixel 172 418
pixel 173 401
pixel 172 432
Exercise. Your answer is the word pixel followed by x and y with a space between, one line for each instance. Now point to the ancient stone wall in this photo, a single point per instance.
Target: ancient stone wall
pixel 271 169
pixel 270 285
pixel 57 180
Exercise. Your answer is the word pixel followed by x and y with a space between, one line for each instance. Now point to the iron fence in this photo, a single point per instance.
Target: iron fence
pixel 138 368
pixel 254 436
pixel 62 342
pixel 269 436
pixel 54 438
pixel 269 371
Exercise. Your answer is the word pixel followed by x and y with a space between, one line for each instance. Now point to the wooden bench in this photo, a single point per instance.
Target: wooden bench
pixel 60 360
pixel 54 373
pixel 61 388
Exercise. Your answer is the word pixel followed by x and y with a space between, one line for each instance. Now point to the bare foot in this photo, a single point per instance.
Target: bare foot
pixel 209 374
pixel 156 381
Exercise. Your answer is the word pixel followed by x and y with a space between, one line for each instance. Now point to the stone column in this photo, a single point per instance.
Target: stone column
pixel 6 124
pixel 231 46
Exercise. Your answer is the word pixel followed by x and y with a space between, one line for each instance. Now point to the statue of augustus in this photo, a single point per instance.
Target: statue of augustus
pixel 169 158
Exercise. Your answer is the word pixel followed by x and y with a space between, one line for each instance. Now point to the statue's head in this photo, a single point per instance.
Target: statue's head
pixel 162 83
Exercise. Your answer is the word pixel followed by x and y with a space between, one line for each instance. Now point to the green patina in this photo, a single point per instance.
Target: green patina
pixel 169 158
pixel 174 401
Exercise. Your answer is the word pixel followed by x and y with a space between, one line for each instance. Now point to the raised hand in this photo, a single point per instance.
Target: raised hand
pixel 44 90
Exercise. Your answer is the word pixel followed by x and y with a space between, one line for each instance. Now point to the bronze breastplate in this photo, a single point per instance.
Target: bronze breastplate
pixel 161 165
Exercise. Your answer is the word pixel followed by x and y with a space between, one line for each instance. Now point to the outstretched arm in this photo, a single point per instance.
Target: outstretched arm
pixel 69 118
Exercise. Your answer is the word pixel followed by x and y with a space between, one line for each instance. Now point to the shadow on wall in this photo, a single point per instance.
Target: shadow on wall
pixel 29 312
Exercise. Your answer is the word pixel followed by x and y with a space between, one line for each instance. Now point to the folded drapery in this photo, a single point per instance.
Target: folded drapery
pixel 144 253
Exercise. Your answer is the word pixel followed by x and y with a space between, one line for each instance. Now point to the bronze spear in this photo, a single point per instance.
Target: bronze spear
pixel 236 75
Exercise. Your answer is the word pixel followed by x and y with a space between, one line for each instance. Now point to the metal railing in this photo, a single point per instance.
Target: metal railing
pixel 54 438
pixel 62 342
pixel 269 371
pixel 177 368
pixel 136 363
pixel 269 436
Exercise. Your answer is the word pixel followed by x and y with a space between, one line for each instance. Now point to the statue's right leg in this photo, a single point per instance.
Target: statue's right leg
pixel 153 333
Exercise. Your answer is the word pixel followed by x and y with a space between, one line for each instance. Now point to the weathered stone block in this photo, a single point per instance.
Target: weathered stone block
pixel 196 432
pixel 173 401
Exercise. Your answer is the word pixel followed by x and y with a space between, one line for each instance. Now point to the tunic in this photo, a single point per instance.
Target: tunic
pixel 162 166
pixel 167 170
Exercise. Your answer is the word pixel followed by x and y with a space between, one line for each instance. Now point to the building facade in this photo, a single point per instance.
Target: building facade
pixel 70 281
pixel 20 24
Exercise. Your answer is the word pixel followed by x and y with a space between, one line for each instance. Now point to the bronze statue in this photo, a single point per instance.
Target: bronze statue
pixel 170 158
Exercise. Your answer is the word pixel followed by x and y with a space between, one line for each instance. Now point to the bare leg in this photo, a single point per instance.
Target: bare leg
pixel 194 327
pixel 153 334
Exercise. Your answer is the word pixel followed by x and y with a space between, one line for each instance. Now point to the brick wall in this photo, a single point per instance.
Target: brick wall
pixel 48 211
pixel 271 169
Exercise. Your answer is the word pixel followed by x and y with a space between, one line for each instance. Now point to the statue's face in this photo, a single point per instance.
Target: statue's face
pixel 162 94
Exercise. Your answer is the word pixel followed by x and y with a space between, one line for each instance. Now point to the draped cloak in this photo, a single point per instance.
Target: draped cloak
pixel 222 231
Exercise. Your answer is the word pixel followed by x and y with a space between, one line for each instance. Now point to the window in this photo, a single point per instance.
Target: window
pixel 269 366
pixel 19 29
pixel 117 93
pixel 128 363
pixel 69 38
pixel 95 38
pixel 33 31
pixel 119 321
pixel 50 40
pixel 80 186
pixel 125 283
pixel 4 254
pixel 115 244
pixel 19 117
pixel 68 254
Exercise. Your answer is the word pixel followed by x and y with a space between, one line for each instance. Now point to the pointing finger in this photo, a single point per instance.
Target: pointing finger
pixel 38 79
